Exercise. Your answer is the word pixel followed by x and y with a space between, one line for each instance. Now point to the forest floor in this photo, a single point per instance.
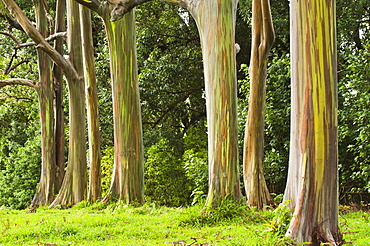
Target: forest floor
pixel 101 224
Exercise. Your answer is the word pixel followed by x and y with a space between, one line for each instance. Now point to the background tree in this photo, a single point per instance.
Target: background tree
pixel 46 190
pixel 220 86
pixel 262 40
pixel 92 105
pixel 312 185
pixel 74 186
pixel 59 138
pixel 128 172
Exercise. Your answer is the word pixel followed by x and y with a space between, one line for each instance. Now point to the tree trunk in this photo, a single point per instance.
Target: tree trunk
pixel 216 24
pixel 92 105
pixel 58 104
pixel 46 190
pixel 74 185
pixel 312 184
pixel 262 40
pixel 128 172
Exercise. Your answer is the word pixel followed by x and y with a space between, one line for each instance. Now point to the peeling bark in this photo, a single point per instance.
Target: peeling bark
pixel 312 185
pixel 74 186
pixel 46 190
pixel 128 172
pixel 94 192
pixel 216 25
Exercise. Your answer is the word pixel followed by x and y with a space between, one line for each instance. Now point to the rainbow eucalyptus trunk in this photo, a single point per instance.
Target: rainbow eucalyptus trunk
pixel 312 185
pixel 58 101
pixel 74 187
pixel 216 24
pixel 45 190
pixel 94 192
pixel 74 184
pixel 128 172
pixel 262 40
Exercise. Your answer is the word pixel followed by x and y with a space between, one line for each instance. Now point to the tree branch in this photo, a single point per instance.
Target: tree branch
pixel 10 36
pixel 173 105
pixel 67 68
pixel 122 7
pixel 50 38
pixel 17 81
pixel 268 27
pixel 94 5
pixel 12 22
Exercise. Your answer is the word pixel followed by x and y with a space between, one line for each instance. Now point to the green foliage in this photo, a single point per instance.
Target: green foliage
pixel 19 175
pixel 20 151
pixel 107 162
pixel 120 224
pixel 170 72
pixel 228 211
pixel 278 226
pixel 195 161
pixel 165 180
pixel 354 121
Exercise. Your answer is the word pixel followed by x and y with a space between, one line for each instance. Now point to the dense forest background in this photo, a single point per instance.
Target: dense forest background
pixel 173 104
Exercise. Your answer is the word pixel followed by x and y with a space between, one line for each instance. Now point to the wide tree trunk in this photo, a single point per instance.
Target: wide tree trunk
pixel 46 188
pixel 312 185
pixel 128 172
pixel 262 40
pixel 92 105
pixel 216 24
pixel 74 187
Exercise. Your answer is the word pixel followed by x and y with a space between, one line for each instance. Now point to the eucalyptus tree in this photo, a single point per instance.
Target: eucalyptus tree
pixel 74 186
pixel 73 189
pixel 94 192
pixel 312 185
pixel 46 189
pixel 128 172
pixel 59 138
pixel 218 46
pixel 48 185
pixel 253 158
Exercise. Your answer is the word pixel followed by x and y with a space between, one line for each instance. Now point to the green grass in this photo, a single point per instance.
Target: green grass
pixel 99 224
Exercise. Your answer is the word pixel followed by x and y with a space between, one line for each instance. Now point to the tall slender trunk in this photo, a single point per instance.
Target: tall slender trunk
pixel 46 190
pixel 74 187
pixel 128 172
pixel 312 184
pixel 216 24
pixel 262 40
pixel 58 102
pixel 94 192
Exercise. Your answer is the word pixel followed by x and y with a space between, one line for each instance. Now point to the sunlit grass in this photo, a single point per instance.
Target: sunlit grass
pixel 150 225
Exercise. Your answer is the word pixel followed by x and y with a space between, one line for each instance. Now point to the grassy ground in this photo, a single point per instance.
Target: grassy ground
pixel 149 225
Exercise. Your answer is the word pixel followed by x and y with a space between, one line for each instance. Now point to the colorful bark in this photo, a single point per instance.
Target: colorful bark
pixel 74 187
pixel 262 40
pixel 216 24
pixel 59 138
pixel 128 172
pixel 312 183
pixel 92 105
pixel 45 190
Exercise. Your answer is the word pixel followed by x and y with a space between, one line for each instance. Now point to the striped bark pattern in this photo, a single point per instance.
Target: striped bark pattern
pixel 312 185
pixel 216 25
pixel 128 172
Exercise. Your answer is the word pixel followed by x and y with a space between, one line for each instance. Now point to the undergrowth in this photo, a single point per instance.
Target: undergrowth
pixel 121 224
